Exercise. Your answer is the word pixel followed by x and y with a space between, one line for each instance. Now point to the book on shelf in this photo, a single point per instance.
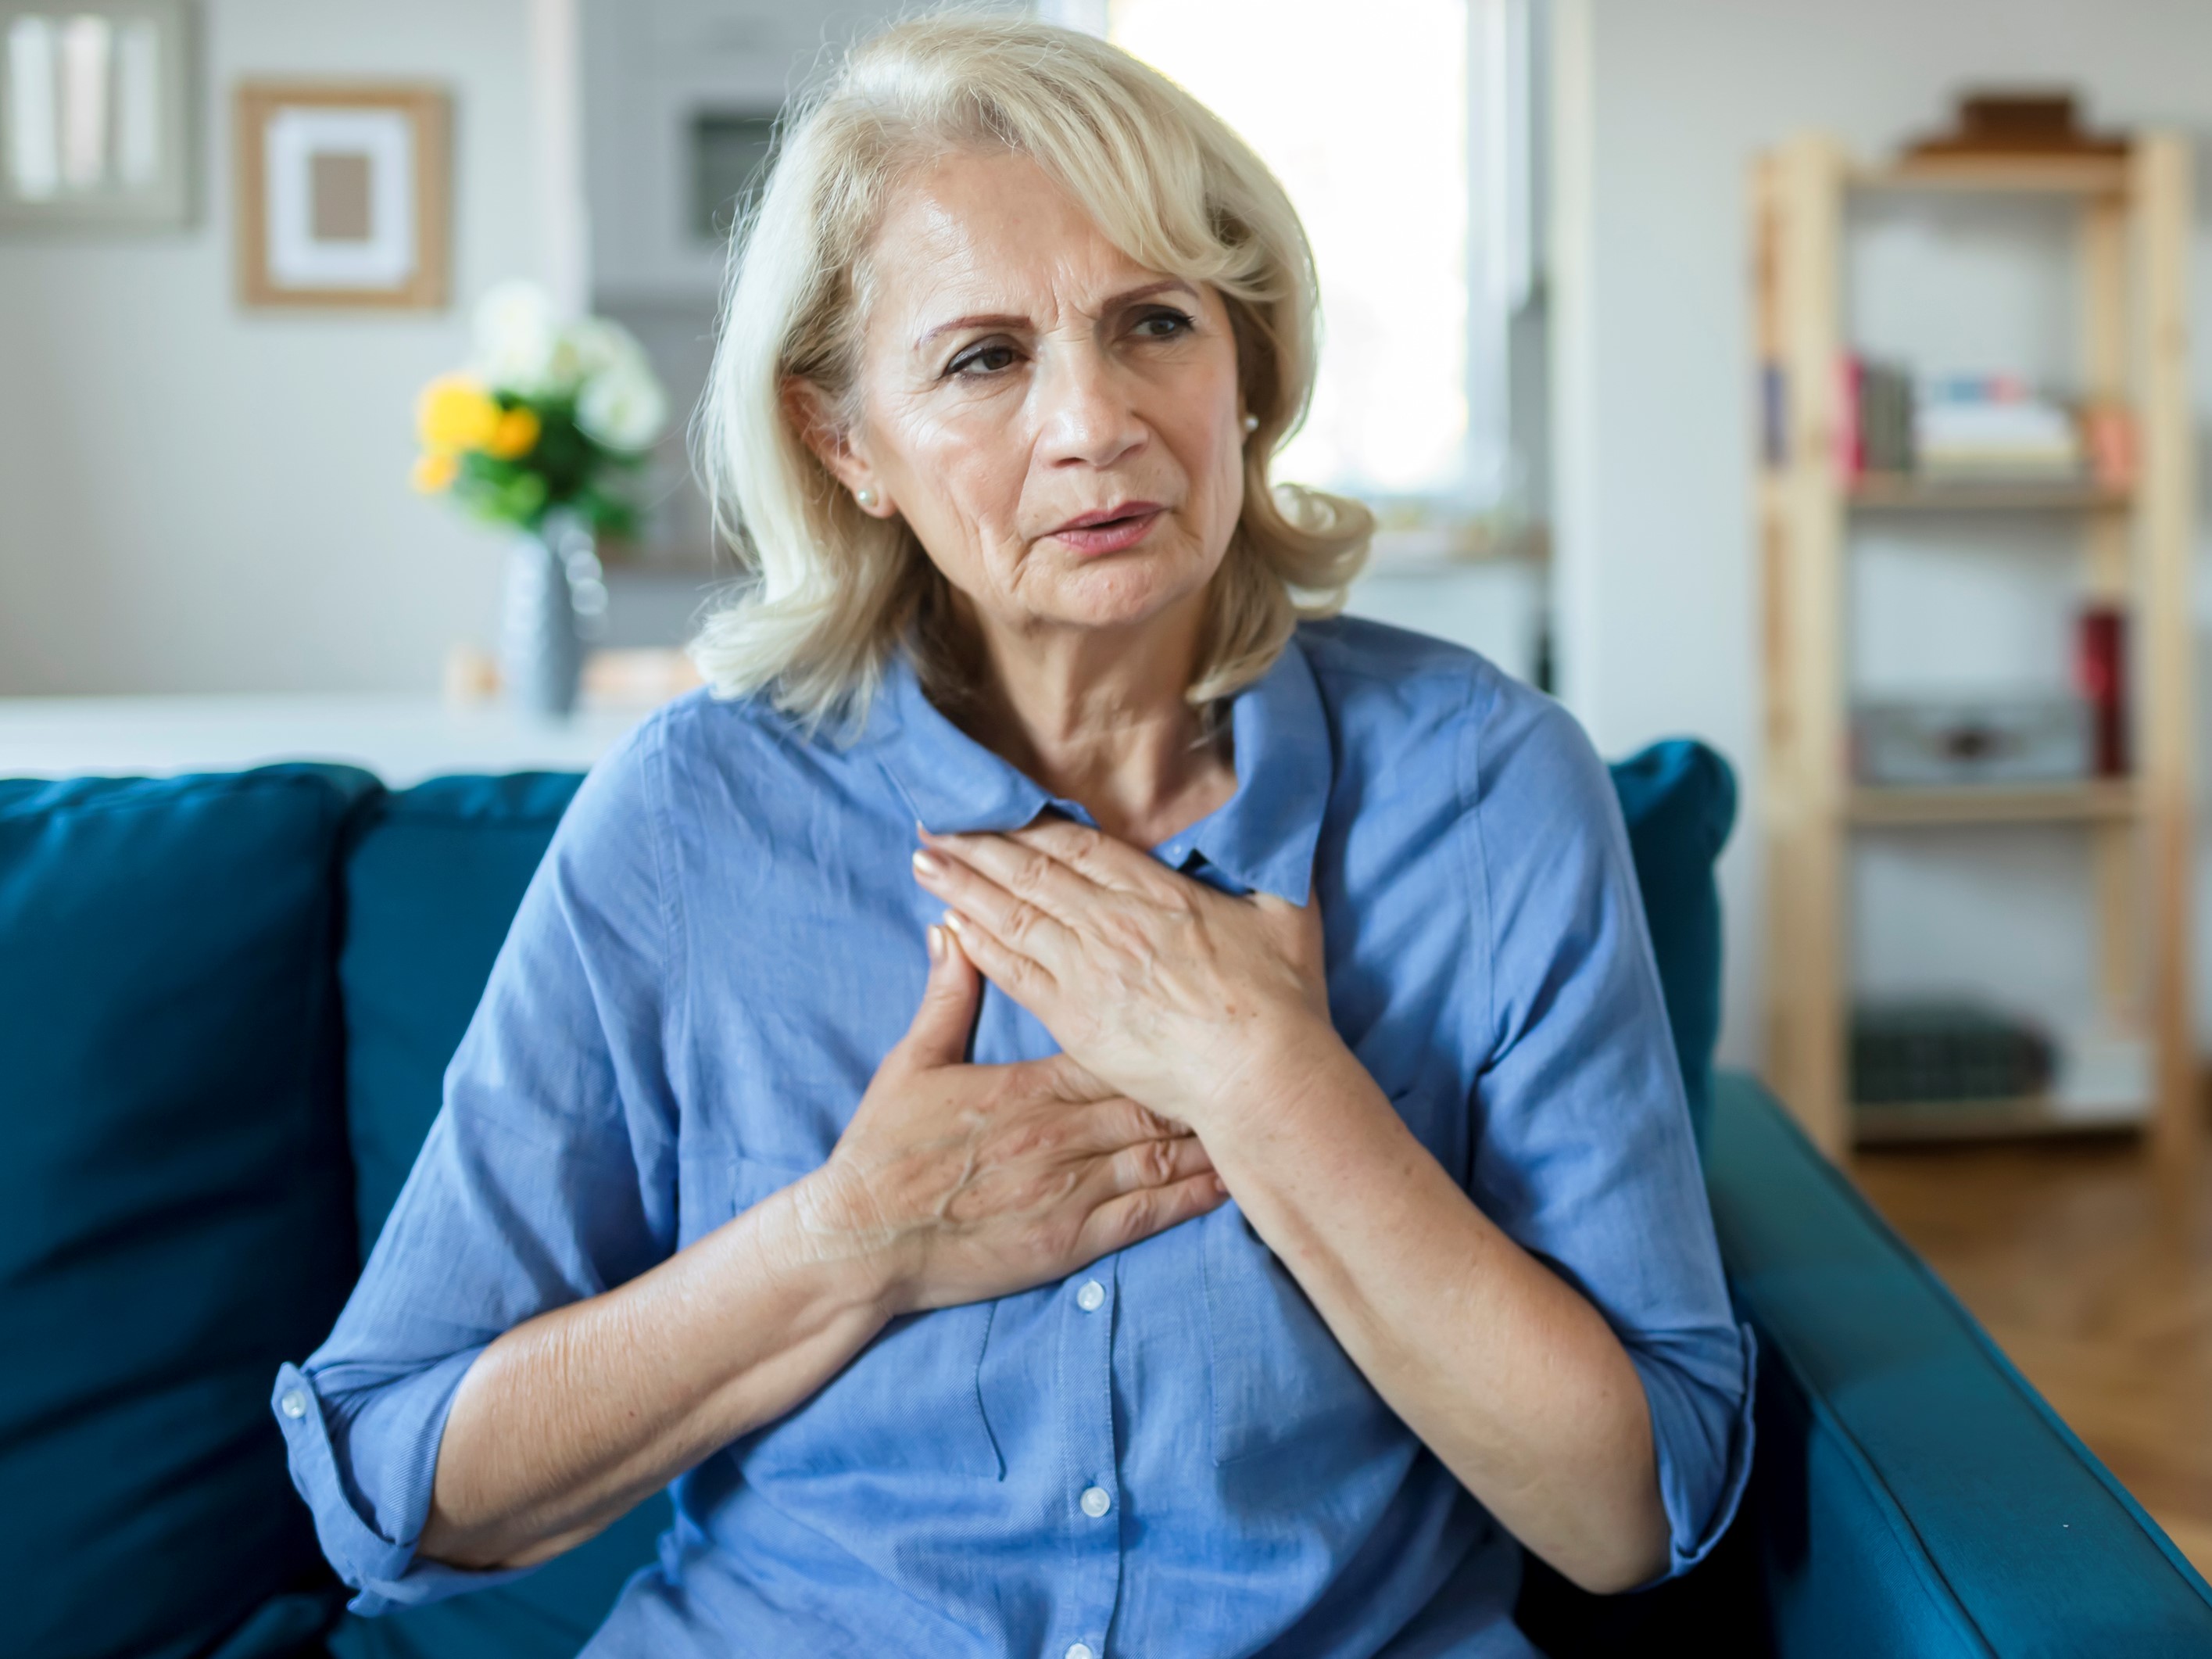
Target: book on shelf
pixel 1877 427
pixel 1962 430
pixel 1993 427
pixel 2100 677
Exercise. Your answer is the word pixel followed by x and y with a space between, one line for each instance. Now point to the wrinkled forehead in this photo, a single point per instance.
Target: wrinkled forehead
pixel 975 233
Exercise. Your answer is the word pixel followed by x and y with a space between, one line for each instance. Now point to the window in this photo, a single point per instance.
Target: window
pixel 1415 195
pixel 92 113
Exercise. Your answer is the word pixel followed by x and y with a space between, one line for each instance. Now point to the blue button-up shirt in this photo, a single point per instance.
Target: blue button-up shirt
pixel 1166 1452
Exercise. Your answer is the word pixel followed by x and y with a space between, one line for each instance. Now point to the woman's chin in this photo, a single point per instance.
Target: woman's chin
pixel 1123 590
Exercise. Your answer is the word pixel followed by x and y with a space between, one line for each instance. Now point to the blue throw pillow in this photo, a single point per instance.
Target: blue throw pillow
pixel 1679 798
pixel 174 1220
pixel 431 887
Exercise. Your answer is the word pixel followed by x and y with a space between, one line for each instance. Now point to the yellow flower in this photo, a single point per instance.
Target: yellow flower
pixel 435 471
pixel 514 437
pixel 455 413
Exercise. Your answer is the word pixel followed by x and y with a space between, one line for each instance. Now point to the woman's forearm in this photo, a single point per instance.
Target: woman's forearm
pixel 1506 1372
pixel 570 1419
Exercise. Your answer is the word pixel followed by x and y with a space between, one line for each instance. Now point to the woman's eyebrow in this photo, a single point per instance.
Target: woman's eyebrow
pixel 997 320
pixel 1166 285
pixel 1013 320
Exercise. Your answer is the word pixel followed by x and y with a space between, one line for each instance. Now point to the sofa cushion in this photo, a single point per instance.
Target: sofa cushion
pixel 174 1220
pixel 1679 799
pixel 431 884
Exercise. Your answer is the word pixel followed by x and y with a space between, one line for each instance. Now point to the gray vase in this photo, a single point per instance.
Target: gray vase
pixel 554 598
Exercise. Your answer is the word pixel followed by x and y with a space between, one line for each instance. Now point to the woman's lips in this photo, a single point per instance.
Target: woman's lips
pixel 1130 526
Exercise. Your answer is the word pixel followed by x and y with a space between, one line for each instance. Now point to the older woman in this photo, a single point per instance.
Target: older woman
pixel 1073 1106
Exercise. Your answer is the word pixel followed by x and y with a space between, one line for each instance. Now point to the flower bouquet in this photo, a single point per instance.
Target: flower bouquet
pixel 552 414
pixel 543 431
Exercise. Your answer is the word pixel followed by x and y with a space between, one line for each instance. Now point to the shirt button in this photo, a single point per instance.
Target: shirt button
pixel 1094 1501
pixel 293 1404
pixel 1090 1298
pixel 1081 1650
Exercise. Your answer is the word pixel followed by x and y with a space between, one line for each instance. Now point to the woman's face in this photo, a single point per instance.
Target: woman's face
pixel 1060 427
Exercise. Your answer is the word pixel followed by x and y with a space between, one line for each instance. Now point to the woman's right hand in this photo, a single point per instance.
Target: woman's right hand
pixel 957 1182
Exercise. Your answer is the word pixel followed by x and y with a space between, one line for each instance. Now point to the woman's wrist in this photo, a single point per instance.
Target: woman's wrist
pixel 825 1224
pixel 1289 1062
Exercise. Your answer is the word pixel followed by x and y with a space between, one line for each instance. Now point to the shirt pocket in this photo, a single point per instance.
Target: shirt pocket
pixel 908 1403
pixel 1281 1380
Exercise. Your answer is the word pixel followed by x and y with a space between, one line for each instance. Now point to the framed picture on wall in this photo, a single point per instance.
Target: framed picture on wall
pixel 95 117
pixel 342 195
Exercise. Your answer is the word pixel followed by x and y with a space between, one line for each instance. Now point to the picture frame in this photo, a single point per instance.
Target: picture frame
pixel 342 195
pixel 97 124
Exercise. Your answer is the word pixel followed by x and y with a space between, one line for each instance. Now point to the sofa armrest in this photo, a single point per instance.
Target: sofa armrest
pixel 1913 1493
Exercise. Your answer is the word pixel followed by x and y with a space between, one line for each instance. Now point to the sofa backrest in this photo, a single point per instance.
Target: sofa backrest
pixel 439 870
pixel 175 1214
pixel 228 1003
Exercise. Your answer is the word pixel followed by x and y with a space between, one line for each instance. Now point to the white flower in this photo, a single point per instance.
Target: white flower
pixel 622 406
pixel 524 346
pixel 518 340
pixel 600 345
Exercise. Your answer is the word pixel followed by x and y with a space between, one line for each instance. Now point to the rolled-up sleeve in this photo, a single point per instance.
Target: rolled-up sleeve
pixel 1583 1151
pixel 548 1177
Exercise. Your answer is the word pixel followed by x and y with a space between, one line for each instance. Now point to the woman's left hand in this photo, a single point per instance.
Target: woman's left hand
pixel 1198 1004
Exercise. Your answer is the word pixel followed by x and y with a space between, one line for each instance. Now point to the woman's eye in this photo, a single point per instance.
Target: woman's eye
pixel 988 357
pixel 1163 324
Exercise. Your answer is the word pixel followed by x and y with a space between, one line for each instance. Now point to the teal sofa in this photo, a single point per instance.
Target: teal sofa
pixel 225 1005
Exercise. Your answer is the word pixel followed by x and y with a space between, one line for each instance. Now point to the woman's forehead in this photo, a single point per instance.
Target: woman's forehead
pixel 991 234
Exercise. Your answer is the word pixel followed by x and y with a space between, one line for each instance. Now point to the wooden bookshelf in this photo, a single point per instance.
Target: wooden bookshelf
pixel 2134 217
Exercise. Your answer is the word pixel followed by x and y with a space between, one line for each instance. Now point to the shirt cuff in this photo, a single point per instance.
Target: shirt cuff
pixel 1702 1434
pixel 386 1571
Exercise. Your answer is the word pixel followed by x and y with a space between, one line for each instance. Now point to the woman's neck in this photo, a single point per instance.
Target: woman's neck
pixel 1102 719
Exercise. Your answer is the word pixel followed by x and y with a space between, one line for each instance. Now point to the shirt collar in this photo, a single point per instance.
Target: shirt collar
pixel 1262 837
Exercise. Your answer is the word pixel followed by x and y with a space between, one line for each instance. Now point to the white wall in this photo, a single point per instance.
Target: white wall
pixel 194 497
pixel 1661 106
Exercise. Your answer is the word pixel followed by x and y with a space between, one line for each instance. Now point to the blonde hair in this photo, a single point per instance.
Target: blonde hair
pixel 828 591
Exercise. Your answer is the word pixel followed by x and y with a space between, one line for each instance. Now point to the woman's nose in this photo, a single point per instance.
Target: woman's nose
pixel 1088 419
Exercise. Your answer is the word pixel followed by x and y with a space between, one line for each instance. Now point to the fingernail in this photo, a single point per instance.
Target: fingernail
pixel 936 943
pixel 928 864
pixel 952 921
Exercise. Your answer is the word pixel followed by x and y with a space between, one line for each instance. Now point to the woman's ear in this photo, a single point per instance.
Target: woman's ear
pixel 807 409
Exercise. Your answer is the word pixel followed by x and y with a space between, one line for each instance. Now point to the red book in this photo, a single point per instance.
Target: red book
pixel 2101 674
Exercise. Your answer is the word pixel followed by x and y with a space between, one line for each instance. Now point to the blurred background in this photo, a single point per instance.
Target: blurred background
pixel 1812 377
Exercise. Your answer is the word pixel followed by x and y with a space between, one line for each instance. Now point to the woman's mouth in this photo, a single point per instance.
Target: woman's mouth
pixel 1109 530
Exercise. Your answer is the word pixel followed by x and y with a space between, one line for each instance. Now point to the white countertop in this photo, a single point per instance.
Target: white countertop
pixel 402 739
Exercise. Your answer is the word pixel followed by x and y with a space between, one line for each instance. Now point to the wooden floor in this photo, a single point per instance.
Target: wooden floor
pixel 2097 1279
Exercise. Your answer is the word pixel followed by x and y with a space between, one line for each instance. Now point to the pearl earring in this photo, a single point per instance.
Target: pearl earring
pixel 1251 422
pixel 865 497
